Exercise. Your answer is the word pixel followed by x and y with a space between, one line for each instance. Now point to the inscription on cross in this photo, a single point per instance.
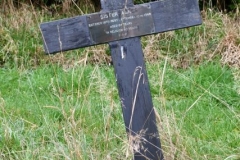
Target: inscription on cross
pixel 121 23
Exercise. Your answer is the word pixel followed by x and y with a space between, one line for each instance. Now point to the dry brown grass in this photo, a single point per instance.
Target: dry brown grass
pixel 171 139
pixel 231 43
pixel 223 29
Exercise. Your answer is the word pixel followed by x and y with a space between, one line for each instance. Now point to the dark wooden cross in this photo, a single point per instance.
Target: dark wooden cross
pixel 121 23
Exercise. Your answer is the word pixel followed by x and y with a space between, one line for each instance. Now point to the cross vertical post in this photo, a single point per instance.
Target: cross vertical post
pixel 134 92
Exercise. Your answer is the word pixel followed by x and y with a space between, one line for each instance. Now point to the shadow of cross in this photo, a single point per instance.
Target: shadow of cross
pixel 121 23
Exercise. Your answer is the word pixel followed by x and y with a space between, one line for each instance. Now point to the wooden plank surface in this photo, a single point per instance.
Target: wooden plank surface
pixel 175 14
pixel 65 34
pixel 115 4
pixel 134 93
pixel 72 33
pixel 136 100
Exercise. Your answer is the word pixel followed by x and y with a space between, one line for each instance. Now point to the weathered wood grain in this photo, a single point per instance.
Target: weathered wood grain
pixel 72 33
pixel 115 4
pixel 135 96
pixel 175 14
pixel 65 34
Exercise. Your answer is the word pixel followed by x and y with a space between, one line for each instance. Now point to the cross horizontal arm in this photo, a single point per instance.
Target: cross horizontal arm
pixel 107 26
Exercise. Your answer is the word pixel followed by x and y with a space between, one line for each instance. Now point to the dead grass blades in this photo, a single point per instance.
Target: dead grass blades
pixel 231 43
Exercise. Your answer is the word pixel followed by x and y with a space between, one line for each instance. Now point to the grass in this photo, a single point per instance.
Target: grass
pixel 66 106
pixel 204 108
pixel 56 113
pixel 61 113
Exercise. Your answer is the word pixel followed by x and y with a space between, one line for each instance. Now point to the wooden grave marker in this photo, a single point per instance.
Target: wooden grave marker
pixel 121 23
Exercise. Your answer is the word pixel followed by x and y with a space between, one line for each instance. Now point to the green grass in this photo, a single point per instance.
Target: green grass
pixel 206 108
pixel 51 108
pixel 76 114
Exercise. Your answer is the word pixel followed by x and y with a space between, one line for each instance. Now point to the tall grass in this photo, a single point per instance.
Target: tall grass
pixel 66 106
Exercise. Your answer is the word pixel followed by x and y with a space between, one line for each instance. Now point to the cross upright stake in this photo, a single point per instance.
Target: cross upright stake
pixel 121 23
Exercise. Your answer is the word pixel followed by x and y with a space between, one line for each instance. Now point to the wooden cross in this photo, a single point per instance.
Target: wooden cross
pixel 121 23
